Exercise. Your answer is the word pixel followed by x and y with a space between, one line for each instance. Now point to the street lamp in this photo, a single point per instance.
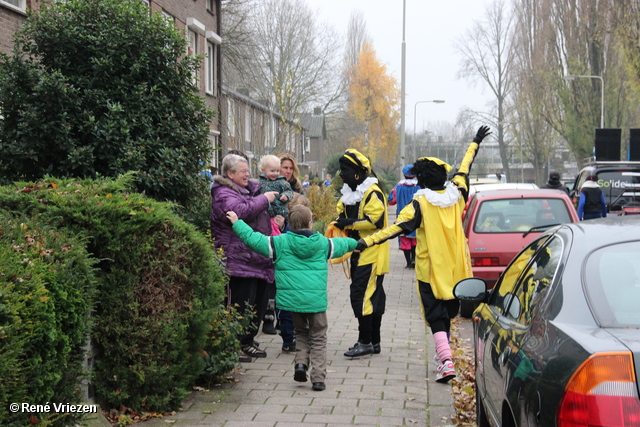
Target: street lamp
pixel 571 77
pixel 435 101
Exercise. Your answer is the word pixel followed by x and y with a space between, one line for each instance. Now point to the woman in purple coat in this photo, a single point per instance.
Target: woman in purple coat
pixel 249 272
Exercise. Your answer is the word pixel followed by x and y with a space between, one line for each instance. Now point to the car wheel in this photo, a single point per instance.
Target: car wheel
pixel 481 416
pixel 467 308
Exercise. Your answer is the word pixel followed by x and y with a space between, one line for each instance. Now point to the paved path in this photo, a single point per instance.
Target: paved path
pixel 394 388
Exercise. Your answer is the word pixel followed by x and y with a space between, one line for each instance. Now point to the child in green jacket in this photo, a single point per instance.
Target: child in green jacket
pixel 301 258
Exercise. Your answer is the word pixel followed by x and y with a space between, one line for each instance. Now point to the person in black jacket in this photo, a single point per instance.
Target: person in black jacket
pixel 592 203
pixel 554 182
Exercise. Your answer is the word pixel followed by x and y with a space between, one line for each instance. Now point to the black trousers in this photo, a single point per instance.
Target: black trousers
pixel 437 312
pixel 248 293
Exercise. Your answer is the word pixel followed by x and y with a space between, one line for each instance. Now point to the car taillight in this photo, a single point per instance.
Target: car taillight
pixel 601 393
pixel 485 262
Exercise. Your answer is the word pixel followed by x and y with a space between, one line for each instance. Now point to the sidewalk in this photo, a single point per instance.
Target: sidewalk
pixel 394 388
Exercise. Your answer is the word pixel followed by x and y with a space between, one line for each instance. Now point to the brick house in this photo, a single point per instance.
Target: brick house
pixel 317 136
pixel 250 126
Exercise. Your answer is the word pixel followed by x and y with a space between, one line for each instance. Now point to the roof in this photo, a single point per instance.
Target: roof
pixel 315 125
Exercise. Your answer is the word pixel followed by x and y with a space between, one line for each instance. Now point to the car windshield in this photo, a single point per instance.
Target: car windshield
pixel 620 187
pixel 519 215
pixel 613 282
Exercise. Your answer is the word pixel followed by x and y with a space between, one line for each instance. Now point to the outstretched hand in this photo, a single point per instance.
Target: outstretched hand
pixel 232 216
pixel 362 245
pixel 483 132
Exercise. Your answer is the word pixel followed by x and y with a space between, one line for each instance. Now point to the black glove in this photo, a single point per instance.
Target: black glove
pixel 483 132
pixel 341 223
pixel 361 245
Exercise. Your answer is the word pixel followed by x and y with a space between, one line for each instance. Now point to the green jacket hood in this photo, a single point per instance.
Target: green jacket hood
pixel 302 246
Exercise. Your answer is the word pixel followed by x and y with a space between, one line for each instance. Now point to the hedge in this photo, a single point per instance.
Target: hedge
pixel 46 283
pixel 158 284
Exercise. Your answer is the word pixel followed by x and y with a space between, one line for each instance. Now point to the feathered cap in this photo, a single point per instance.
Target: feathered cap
pixel 438 162
pixel 406 171
pixel 358 159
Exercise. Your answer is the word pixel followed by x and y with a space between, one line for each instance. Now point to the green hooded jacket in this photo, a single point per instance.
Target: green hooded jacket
pixel 301 262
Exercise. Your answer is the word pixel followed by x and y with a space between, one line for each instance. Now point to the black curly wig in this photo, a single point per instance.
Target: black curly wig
pixel 430 174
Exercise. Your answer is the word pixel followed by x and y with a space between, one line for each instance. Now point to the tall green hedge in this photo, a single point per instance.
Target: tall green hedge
pixel 46 283
pixel 158 284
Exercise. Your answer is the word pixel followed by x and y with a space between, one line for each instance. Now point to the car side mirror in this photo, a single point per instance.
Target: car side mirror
pixel 471 289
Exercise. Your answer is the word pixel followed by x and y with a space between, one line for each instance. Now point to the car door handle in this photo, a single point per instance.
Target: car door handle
pixel 505 355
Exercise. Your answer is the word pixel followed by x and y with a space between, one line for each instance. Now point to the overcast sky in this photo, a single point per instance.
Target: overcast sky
pixel 432 64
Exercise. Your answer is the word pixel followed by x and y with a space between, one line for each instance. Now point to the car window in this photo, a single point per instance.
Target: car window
pixel 508 280
pixel 620 186
pixel 613 282
pixel 518 215
pixel 534 282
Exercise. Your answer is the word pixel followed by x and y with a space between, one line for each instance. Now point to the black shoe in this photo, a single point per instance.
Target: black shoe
pixel 268 328
pixel 318 386
pixel 300 373
pixel 289 347
pixel 245 358
pixel 254 351
pixel 256 343
pixel 359 349
pixel 377 349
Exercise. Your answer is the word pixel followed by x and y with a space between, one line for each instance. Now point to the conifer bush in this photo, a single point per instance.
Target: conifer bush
pixel 158 284
pixel 46 284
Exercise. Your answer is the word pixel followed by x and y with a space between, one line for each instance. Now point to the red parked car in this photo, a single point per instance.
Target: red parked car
pixel 499 223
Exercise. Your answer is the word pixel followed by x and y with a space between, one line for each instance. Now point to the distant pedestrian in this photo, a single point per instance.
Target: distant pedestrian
pixel 300 257
pixel 306 183
pixel 592 203
pixel 554 183
pixel 401 195
pixel 327 180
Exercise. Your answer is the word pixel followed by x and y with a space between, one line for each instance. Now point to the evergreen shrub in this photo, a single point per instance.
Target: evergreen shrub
pixel 46 283
pixel 158 285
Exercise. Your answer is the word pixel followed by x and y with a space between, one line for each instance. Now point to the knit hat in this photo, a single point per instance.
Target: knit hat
pixel 406 171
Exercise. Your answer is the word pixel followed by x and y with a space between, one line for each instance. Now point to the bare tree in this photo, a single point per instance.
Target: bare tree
pixel 586 43
pixel 487 58
pixel 284 56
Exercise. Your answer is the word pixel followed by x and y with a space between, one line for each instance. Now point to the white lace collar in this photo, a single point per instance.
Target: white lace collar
pixel 408 181
pixel 350 197
pixel 444 200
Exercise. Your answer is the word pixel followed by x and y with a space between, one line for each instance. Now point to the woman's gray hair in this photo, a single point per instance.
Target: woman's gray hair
pixel 230 162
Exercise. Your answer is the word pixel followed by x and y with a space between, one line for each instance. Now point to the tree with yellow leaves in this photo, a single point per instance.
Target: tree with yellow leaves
pixel 373 101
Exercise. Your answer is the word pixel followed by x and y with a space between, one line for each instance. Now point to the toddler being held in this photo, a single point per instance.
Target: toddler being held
pixel 271 180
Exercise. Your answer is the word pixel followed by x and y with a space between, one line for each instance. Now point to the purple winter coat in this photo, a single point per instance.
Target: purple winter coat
pixel 250 207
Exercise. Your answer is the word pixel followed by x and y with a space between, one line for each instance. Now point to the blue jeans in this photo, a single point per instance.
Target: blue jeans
pixel 286 325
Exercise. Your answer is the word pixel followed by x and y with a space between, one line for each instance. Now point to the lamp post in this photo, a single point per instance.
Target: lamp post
pixel 435 101
pixel 571 77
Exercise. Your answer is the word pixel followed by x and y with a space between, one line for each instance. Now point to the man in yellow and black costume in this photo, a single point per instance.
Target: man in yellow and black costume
pixel 442 254
pixel 362 211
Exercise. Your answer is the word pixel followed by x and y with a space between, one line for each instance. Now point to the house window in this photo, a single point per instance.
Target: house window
pixel 211 63
pixel 168 17
pixel 211 68
pixel 192 50
pixel 247 124
pixel 20 4
pixel 215 150
pixel 210 5
pixel 231 124
pixel 146 3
